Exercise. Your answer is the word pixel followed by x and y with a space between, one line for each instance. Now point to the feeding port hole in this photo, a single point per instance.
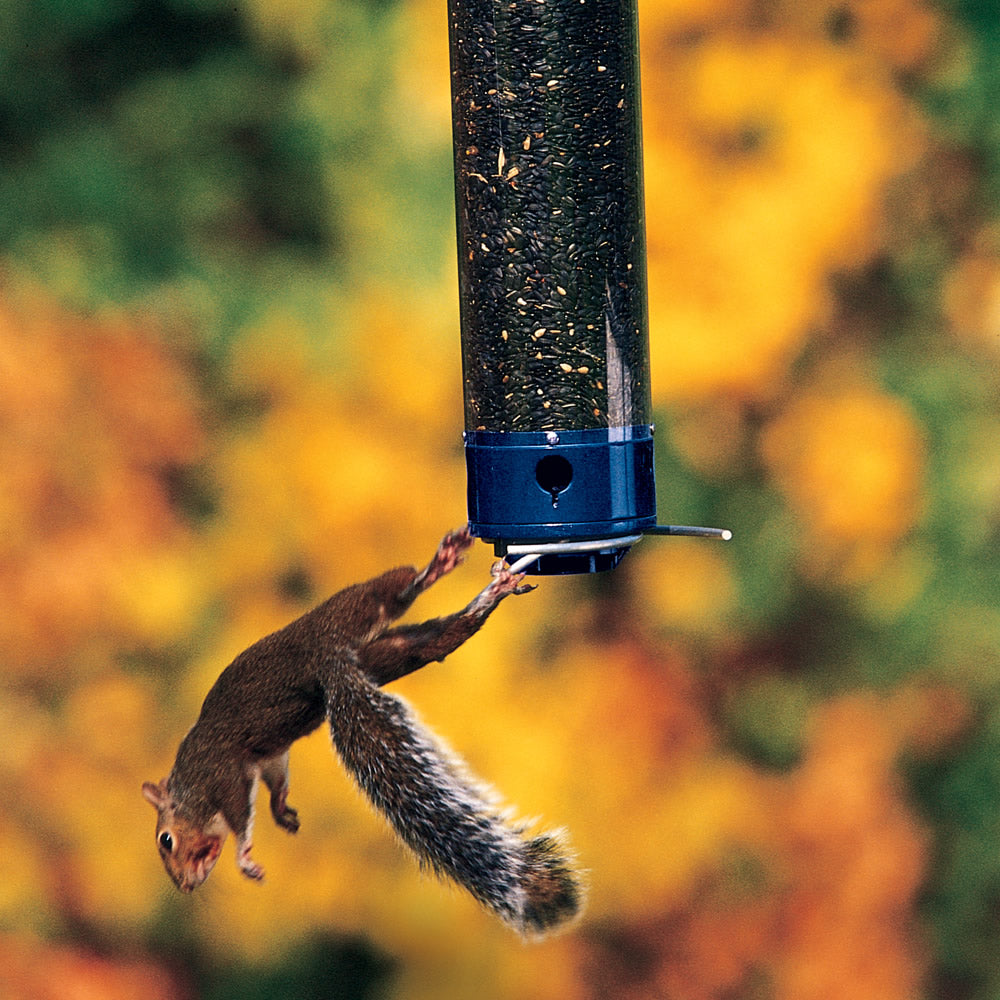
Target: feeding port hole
pixel 554 474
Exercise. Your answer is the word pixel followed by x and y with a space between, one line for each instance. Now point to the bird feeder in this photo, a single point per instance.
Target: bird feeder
pixel 552 279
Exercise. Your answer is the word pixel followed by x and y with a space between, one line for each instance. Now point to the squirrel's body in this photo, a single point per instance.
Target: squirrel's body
pixel 329 665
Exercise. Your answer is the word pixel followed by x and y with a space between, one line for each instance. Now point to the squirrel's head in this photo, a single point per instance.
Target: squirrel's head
pixel 189 852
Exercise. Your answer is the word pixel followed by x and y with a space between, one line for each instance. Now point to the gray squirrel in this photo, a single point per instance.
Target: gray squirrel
pixel 330 664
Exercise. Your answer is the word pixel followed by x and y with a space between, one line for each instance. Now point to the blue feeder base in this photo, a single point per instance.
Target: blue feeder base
pixel 548 486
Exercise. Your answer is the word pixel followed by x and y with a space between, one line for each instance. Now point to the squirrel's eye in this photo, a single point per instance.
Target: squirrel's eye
pixel 166 841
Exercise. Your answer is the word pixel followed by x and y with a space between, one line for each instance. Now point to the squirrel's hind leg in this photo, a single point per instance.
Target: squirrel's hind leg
pixel 406 648
pixel 386 597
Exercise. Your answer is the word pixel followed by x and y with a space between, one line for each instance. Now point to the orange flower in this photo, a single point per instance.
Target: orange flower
pixel 93 413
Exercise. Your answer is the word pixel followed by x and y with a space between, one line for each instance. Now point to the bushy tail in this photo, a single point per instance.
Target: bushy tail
pixel 452 823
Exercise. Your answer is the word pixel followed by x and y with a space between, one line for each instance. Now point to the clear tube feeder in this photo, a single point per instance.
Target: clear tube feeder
pixel 552 280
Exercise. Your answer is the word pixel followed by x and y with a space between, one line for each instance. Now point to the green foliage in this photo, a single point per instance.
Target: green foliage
pixel 964 104
pixel 325 969
pixel 150 142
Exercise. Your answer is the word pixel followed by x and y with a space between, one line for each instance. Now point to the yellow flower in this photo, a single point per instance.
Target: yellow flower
pixel 686 584
pixel 850 462
pixel 766 162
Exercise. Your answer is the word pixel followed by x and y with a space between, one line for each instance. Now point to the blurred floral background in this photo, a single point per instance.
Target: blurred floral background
pixel 229 385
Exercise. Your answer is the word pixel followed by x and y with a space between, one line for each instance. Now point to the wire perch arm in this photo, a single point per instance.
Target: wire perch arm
pixel 528 555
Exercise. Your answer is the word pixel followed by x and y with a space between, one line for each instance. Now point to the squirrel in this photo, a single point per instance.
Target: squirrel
pixel 331 664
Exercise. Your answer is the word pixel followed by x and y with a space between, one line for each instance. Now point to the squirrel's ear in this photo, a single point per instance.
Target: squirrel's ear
pixel 156 795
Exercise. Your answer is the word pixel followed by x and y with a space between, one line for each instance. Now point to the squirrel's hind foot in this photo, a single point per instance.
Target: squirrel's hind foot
pixel 505 582
pixel 449 555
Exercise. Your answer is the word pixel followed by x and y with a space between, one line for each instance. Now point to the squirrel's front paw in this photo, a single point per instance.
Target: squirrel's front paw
pixel 248 866
pixel 284 815
pixel 288 819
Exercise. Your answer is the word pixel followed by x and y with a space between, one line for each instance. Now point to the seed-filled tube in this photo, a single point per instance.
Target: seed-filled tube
pixel 551 262
pixel 550 217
